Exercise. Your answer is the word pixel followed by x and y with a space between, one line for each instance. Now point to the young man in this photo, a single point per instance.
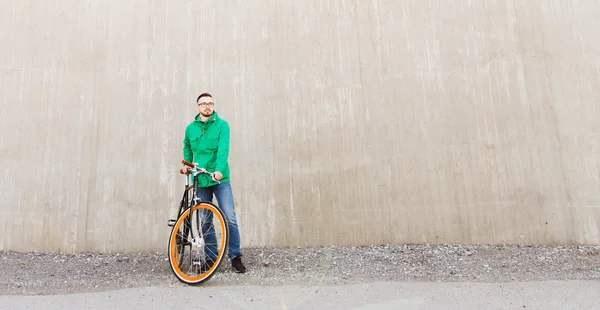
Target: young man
pixel 206 143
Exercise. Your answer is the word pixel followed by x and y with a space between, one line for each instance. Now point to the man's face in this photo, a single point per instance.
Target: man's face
pixel 205 106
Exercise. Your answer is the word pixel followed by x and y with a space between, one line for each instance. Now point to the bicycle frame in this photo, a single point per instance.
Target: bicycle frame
pixel 185 204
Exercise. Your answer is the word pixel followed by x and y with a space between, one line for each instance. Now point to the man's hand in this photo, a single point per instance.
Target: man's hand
pixel 185 170
pixel 218 176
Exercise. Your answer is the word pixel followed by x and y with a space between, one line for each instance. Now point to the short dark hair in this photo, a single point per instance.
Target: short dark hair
pixel 203 95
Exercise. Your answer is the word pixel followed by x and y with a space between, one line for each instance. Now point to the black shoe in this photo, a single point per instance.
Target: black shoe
pixel 237 265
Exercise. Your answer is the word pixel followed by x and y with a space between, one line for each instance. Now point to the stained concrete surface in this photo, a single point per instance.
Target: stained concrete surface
pixel 352 122
pixel 383 295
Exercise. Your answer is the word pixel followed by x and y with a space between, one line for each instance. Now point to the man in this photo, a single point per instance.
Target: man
pixel 206 143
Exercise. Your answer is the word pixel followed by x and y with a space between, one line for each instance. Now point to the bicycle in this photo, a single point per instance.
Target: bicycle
pixel 205 253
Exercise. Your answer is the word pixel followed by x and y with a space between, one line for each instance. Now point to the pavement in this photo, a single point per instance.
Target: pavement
pixel 381 295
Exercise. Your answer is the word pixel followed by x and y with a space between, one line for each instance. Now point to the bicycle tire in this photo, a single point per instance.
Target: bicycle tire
pixel 173 242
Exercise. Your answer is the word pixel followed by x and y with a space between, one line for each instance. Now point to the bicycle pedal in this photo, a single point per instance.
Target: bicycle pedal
pixel 172 223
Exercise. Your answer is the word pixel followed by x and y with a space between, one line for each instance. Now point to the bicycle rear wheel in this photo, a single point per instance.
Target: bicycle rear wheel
pixel 197 243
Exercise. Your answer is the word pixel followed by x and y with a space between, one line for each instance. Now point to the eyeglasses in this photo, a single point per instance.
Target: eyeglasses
pixel 205 104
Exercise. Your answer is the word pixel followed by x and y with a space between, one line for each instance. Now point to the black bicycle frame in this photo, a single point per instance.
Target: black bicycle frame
pixel 183 206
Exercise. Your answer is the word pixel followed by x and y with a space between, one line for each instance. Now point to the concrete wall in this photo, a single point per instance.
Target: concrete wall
pixel 353 122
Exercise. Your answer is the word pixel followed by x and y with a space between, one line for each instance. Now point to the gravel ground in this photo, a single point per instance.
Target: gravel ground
pixel 54 273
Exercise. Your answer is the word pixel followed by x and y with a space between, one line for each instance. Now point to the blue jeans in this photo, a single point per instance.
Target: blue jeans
pixel 224 197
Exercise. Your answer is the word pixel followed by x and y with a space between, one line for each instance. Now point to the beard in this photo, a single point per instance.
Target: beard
pixel 206 113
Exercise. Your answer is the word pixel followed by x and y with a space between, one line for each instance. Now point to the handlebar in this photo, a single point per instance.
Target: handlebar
pixel 195 170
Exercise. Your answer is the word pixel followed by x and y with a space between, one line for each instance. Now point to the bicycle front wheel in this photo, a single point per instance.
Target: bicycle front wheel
pixel 197 243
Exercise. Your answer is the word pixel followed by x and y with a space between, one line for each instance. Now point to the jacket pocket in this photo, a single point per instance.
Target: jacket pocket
pixel 212 144
pixel 194 142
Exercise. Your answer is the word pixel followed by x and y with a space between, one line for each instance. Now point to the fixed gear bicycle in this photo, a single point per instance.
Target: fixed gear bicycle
pixel 199 235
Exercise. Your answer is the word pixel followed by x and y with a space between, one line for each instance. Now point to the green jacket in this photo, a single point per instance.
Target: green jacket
pixel 207 144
